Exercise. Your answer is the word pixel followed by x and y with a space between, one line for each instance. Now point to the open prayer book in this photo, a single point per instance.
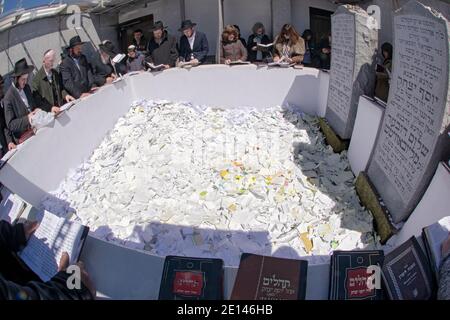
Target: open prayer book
pixel 264 46
pixel 11 208
pixel 53 237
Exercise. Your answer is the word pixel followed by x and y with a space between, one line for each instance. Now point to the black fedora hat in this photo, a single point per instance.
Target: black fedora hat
pixel 108 48
pixel 75 41
pixel 21 67
pixel 186 24
pixel 158 25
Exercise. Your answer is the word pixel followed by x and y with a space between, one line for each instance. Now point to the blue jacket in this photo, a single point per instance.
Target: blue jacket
pixel 200 49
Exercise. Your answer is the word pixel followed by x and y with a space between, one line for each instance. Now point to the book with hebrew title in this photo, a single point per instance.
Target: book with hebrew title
pixel 407 274
pixel 54 236
pixel 187 278
pixel 270 278
pixel 349 275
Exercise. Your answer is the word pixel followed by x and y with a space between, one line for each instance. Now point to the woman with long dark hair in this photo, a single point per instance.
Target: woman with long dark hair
pixel 289 46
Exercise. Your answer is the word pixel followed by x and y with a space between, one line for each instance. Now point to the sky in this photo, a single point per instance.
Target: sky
pixel 12 4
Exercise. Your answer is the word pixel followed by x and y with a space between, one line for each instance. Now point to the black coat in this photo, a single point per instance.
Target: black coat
pixel 164 53
pixel 200 48
pixel 16 112
pixel 251 43
pixel 5 135
pixel 76 81
pixel 101 71
pixel 12 238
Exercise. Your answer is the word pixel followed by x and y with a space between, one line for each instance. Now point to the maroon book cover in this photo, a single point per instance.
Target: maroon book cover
pixel 269 278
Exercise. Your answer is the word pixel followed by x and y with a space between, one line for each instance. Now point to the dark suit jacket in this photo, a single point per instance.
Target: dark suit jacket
pixel 76 81
pixel 200 49
pixel 164 53
pixel 16 112
pixel 5 135
pixel 42 90
pixel 101 71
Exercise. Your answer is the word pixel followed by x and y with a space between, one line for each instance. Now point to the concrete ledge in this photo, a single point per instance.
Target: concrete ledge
pixel 332 138
pixel 370 199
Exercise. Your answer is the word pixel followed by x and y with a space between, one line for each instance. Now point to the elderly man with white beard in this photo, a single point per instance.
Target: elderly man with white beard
pixel 104 70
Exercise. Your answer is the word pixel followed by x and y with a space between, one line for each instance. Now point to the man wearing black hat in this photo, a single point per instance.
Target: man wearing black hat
pixel 6 139
pixel 19 103
pixel 193 44
pixel 75 71
pixel 102 66
pixel 162 48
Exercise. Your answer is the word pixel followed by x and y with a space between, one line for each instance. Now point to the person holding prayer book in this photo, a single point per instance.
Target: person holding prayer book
pixel 104 70
pixel 289 46
pixel 232 48
pixel 19 283
pixel 193 46
pixel 258 37
pixel 162 48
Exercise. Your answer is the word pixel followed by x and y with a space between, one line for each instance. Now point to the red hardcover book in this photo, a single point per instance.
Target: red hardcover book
pixel 269 278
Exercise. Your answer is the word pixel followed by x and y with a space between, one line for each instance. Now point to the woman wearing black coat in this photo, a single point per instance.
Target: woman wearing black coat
pixel 258 37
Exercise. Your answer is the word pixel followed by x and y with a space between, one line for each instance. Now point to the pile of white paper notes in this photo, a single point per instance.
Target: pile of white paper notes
pixel 172 178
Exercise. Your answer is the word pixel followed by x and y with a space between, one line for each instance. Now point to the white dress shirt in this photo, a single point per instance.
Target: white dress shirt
pixel 192 40
pixel 23 96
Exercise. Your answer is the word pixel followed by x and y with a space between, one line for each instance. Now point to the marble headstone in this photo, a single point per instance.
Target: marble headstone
pixel 412 136
pixel 354 45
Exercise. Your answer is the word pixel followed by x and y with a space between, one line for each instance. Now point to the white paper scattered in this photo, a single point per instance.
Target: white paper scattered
pixel 172 178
